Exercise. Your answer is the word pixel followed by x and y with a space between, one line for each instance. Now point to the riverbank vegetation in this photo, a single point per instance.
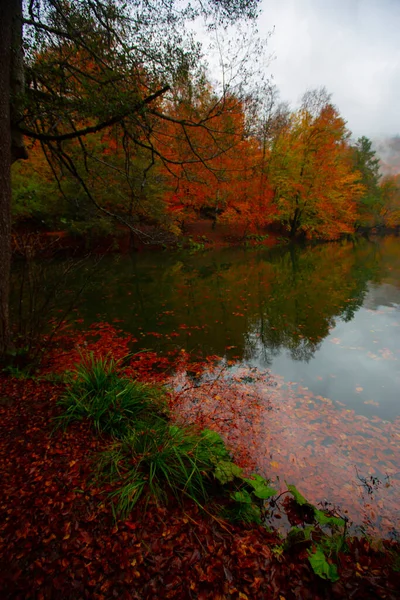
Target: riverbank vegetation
pixel 294 172
pixel 240 158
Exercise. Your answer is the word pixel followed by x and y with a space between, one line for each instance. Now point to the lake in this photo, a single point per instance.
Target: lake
pixel 306 340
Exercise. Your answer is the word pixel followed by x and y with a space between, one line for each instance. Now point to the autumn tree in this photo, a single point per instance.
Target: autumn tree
pixel 230 187
pixel 390 201
pixel 198 169
pixel 313 182
pixel 129 55
pixel 115 171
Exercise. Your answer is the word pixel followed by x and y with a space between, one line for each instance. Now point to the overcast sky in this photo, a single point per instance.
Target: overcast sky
pixel 352 47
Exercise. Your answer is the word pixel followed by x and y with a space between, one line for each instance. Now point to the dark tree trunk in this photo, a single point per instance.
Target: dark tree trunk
pixel 11 142
pixel 17 83
pixel 6 22
pixel 294 223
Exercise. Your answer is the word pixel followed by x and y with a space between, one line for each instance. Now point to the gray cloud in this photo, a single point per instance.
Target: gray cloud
pixel 351 47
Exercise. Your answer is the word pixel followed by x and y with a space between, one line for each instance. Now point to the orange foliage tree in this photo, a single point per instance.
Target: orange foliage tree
pixel 216 172
pixel 314 185
pixel 390 199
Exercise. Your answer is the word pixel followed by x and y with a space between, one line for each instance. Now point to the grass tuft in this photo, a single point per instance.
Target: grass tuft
pixel 113 403
pixel 158 459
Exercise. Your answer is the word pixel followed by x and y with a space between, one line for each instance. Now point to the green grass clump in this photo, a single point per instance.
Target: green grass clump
pixel 158 459
pixel 113 403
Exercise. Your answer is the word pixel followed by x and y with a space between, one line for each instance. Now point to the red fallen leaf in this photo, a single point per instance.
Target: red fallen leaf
pixel 194 558
pixel 67 531
pixel 86 537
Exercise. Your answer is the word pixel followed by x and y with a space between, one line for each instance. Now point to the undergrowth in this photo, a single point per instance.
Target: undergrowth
pixel 151 457
pixel 158 459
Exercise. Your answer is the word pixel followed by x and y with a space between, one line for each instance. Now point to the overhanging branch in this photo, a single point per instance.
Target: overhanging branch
pixel 44 137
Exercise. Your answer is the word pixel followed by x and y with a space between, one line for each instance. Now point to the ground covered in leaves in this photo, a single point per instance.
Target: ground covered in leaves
pixel 58 538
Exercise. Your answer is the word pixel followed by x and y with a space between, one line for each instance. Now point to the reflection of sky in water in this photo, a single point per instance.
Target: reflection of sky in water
pixel 284 430
pixel 358 364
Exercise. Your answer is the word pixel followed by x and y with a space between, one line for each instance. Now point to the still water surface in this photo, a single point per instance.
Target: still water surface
pixel 322 323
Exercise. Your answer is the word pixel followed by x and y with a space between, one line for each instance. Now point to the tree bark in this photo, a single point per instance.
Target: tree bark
pixel 9 11
pixel 17 83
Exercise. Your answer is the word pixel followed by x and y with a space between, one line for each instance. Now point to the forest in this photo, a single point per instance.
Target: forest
pixel 236 155
pixel 295 172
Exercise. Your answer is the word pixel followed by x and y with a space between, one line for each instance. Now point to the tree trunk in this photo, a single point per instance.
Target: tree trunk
pixel 11 142
pixel 6 19
pixel 17 83
pixel 294 223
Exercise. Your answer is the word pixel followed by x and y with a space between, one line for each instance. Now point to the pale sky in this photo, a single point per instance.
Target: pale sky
pixel 352 47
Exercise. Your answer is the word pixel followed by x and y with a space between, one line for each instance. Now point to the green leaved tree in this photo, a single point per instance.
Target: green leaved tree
pixel 366 163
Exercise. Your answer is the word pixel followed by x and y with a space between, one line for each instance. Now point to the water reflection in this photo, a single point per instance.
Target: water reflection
pixel 324 316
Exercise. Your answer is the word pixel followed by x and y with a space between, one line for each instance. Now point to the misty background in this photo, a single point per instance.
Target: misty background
pixel 352 48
